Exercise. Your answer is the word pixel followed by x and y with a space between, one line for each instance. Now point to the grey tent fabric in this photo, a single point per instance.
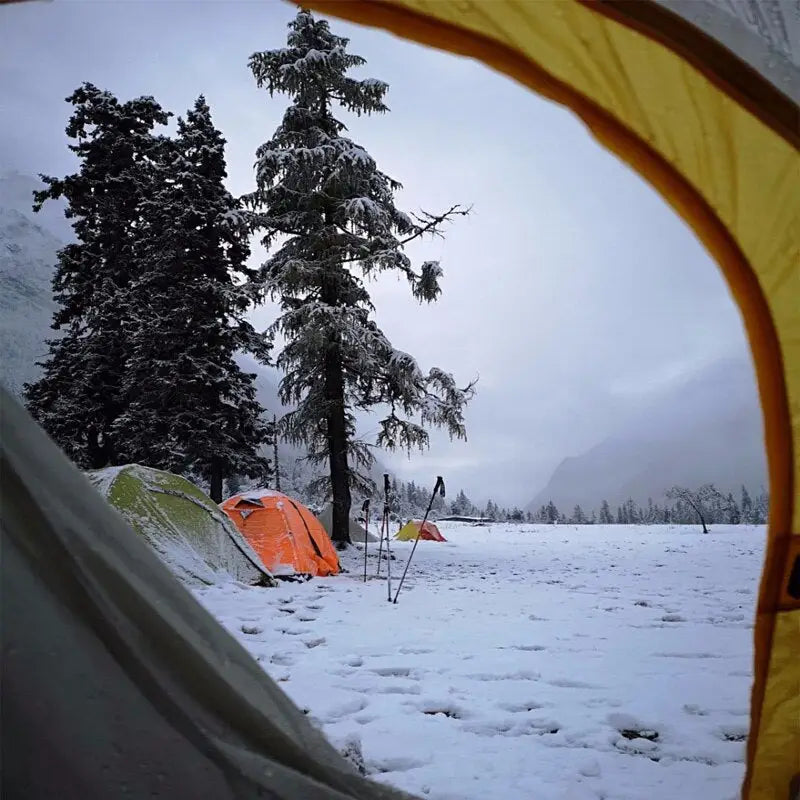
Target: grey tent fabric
pixel 116 682
pixel 763 33
pixel 357 532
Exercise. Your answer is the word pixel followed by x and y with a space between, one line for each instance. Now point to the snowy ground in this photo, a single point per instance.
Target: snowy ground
pixel 524 661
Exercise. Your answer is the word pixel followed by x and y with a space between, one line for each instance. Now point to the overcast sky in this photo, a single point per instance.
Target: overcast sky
pixel 573 291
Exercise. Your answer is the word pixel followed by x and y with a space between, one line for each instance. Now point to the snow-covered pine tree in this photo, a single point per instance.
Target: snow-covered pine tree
pixel 80 394
pixel 747 507
pixel 189 407
pixel 329 214
pixel 578 516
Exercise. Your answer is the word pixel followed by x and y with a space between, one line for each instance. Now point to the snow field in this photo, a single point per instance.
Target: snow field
pixel 526 661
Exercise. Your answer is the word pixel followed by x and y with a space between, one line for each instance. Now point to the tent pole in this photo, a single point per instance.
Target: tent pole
pixel 439 487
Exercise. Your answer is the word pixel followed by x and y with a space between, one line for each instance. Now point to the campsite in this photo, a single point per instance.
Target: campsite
pixel 617 661
pixel 400 400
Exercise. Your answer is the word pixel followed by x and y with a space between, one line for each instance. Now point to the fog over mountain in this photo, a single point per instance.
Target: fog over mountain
pixel 28 247
pixel 707 429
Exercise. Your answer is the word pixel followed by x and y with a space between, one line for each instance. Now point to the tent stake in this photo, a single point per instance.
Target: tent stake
pixel 439 487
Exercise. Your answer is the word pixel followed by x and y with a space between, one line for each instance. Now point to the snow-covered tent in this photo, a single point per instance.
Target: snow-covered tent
pixel 357 530
pixel 182 524
pixel 288 538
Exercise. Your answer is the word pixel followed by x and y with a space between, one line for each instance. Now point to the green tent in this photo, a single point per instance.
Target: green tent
pixel 183 525
pixel 116 681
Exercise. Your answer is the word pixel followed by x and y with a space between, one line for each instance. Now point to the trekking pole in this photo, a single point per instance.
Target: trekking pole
pixel 388 561
pixel 365 509
pixel 384 520
pixel 438 488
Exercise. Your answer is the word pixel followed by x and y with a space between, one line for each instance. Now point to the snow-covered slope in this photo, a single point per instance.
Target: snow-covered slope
pixel 27 259
pixel 547 662
pixel 706 430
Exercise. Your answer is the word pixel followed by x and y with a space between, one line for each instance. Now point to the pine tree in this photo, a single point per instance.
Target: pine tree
pixel 747 507
pixel 605 514
pixel 578 517
pixel 733 513
pixel 189 407
pixel 80 394
pixel 760 513
pixel 323 202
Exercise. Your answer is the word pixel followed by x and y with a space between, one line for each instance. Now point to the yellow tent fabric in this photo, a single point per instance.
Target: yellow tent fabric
pixel 721 144
pixel 410 531
pixel 407 533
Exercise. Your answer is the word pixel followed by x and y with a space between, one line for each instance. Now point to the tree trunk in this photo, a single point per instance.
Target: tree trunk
pixel 277 466
pixel 216 481
pixel 98 454
pixel 700 514
pixel 337 447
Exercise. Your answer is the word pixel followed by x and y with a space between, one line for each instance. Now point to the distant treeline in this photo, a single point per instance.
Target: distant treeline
pixel 749 508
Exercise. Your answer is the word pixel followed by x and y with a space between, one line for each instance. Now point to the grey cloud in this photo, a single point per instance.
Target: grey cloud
pixel 573 290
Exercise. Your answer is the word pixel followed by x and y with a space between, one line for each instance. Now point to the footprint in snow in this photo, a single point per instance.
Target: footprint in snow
pixel 528 648
pixel 521 708
pixel 396 764
pixel 291 631
pixel 413 689
pixel 393 672
pixel 445 708
pixel 414 650
pixel 305 618
pixel 732 733
pixel 345 710
pixel 252 630
pixel 688 655
pixel 312 643
pixel 522 675
pixel 568 683
pixel 673 618
pixel 513 728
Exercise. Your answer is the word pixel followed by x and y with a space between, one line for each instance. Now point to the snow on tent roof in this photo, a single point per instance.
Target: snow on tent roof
pixel 182 524
pixel 258 494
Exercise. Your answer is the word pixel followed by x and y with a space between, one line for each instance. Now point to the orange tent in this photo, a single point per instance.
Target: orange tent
pixel 286 535
pixel 410 531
